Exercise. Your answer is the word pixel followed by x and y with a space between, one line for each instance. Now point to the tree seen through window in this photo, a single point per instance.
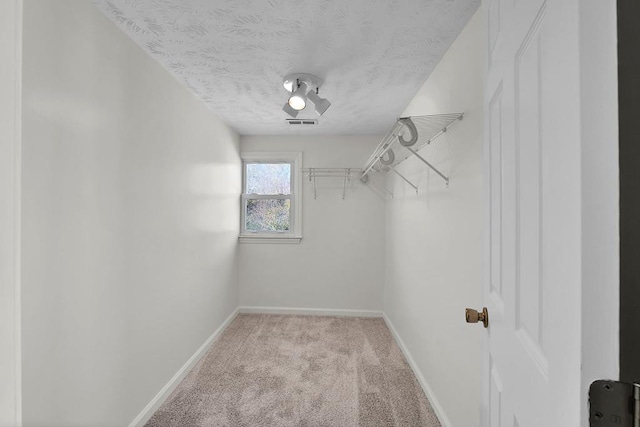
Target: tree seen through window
pixel 268 197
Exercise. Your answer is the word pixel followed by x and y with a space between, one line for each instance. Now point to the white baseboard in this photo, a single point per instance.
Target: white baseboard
pixel 309 311
pixel 162 395
pixel 437 408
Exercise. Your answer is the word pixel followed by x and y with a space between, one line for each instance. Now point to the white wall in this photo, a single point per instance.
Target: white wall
pixel 340 262
pixel 10 78
pixel 130 220
pixel 434 239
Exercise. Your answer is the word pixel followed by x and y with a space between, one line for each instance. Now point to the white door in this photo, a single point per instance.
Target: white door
pixel 10 68
pixel 532 155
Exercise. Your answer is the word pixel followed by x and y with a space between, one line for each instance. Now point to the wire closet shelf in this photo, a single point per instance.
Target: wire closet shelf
pixel 343 173
pixel 406 138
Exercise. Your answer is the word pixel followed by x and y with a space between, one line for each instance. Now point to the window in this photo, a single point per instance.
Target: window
pixel 271 198
pixel 267 197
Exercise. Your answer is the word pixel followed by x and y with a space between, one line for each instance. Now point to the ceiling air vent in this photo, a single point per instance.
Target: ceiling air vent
pixel 302 121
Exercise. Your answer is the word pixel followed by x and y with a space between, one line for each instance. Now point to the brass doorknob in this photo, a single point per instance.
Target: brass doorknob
pixel 472 316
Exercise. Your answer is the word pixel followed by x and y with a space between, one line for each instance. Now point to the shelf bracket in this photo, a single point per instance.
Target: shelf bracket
pixel 423 129
pixel 415 153
pixel 312 172
pixel 405 179
pixel 344 173
pixel 347 176
pixel 386 190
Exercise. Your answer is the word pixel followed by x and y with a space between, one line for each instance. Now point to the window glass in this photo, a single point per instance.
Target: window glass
pixel 271 206
pixel 268 178
pixel 268 215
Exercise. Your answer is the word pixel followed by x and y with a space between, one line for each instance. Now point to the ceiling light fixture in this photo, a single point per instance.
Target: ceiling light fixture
pixel 320 104
pixel 303 87
pixel 298 99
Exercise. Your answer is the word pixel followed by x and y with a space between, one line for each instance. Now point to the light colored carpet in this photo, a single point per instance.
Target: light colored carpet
pixel 302 371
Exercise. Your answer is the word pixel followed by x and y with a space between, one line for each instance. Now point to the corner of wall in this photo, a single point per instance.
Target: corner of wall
pixel 426 244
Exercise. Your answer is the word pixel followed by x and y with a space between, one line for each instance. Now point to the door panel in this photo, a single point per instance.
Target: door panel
pixel 495 396
pixel 495 153
pixel 529 184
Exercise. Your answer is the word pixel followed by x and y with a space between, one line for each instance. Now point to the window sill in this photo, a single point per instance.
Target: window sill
pixel 291 240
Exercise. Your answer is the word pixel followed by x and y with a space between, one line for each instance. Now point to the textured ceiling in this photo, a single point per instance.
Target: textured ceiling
pixel 372 54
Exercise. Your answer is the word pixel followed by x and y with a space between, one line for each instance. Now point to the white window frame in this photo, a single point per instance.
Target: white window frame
pixel 294 235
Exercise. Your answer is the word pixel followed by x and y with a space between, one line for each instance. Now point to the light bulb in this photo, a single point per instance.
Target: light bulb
pixel 297 102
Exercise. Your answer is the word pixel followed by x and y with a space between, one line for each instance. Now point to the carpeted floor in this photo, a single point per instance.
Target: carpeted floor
pixel 302 371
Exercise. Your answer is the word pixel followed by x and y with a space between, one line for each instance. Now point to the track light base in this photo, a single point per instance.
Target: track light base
pixel 290 82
